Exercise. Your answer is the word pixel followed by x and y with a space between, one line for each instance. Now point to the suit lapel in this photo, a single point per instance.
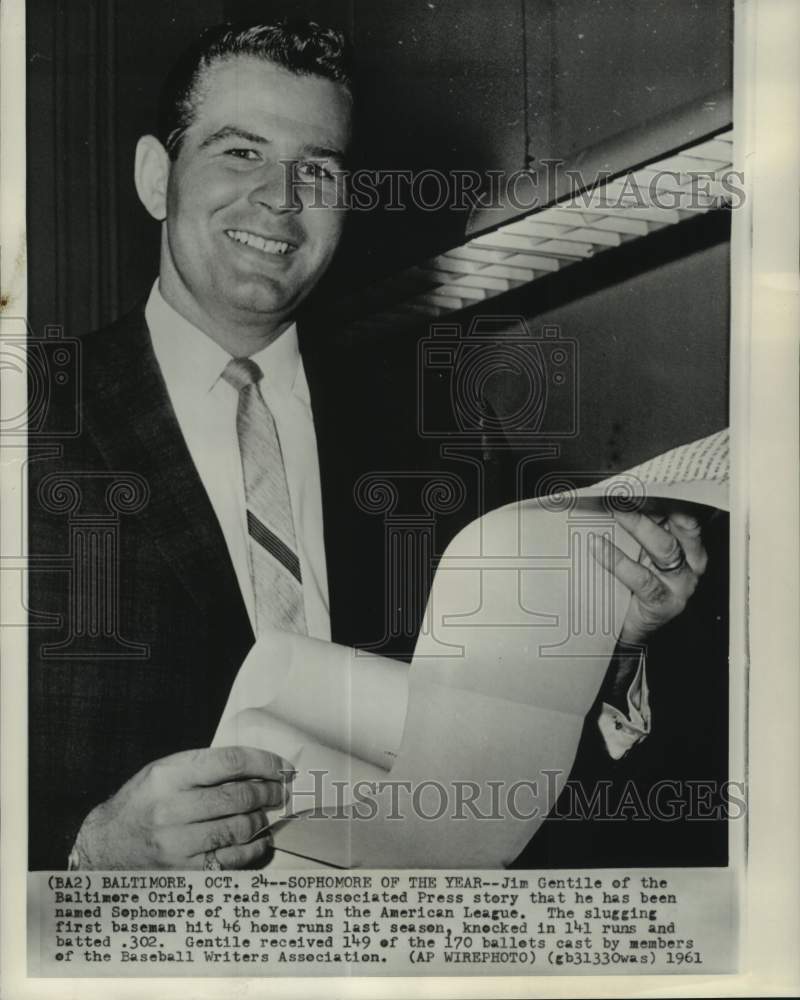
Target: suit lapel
pixel 128 412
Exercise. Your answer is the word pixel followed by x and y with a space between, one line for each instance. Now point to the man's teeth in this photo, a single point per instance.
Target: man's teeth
pixel 267 246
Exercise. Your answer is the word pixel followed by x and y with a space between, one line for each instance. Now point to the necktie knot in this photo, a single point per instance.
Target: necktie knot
pixel 241 372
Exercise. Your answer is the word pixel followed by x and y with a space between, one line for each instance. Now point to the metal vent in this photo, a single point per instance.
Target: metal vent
pixel 628 207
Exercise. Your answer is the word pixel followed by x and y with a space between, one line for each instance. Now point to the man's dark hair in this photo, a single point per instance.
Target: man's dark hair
pixel 298 45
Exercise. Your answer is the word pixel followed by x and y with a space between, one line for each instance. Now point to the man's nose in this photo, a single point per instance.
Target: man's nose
pixel 274 189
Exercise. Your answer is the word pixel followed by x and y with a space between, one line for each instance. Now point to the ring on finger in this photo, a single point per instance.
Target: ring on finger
pixel 211 862
pixel 678 562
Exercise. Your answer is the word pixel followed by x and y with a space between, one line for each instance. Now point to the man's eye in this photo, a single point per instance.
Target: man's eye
pixel 240 153
pixel 314 170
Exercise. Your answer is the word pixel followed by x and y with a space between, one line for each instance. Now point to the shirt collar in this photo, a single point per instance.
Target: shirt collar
pixel 191 359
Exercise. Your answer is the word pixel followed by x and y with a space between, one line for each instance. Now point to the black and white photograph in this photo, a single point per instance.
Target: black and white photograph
pixel 379 575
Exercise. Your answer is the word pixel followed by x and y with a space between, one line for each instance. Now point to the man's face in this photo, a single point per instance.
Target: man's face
pixel 235 243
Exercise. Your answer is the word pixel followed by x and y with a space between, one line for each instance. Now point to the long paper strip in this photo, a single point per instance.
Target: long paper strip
pixel 519 629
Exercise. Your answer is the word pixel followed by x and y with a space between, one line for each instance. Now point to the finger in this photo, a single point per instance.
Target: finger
pixel 254 855
pixel 229 799
pixel 215 765
pixel 658 543
pixel 193 839
pixel 688 531
pixel 637 578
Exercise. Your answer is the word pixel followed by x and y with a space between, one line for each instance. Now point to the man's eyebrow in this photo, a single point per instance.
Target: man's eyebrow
pixel 235 132
pixel 323 153
pixel 232 132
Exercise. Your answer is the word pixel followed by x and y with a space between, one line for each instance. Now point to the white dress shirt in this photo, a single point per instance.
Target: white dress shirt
pixel 620 732
pixel 205 405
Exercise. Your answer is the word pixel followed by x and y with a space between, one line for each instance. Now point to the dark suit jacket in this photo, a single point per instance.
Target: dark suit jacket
pixel 667 801
pixel 137 623
pixel 138 626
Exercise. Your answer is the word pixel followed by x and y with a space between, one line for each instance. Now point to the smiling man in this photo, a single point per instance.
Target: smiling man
pixel 199 403
pixel 189 508
pixel 239 253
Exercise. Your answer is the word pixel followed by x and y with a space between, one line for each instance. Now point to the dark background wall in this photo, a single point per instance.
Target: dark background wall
pixel 448 84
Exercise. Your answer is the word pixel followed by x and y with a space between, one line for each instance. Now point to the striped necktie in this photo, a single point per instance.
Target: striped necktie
pixel 274 566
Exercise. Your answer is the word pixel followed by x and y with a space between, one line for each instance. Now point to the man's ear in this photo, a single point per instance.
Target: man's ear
pixel 151 176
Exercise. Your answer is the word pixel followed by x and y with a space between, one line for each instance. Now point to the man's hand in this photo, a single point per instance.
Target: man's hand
pixel 176 809
pixel 659 594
